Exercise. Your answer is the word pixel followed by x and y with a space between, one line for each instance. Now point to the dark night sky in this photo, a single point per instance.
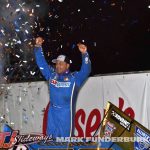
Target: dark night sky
pixel 117 33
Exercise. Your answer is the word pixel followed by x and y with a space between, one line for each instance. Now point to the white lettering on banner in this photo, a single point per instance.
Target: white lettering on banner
pixel 123 122
pixel 146 136
pixel 99 139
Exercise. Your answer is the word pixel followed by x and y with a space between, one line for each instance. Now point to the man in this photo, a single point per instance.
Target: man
pixel 64 87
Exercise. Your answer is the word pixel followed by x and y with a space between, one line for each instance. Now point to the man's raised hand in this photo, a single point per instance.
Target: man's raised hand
pixel 82 48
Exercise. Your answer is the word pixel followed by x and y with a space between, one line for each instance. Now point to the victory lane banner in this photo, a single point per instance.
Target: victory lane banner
pixel 13 140
pixel 115 125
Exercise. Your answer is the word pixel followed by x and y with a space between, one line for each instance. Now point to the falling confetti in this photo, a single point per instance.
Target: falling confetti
pixel 61 23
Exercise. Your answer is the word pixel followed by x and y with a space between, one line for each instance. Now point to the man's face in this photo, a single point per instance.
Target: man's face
pixel 61 67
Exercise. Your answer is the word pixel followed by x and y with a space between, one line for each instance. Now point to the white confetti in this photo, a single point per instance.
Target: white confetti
pixel 7 5
pixel 37 5
pixel 19 42
pixel 2 31
pixel 17 56
pixel 25 61
pixel 32 73
pixel 26 31
pixel 17 30
pixel 17 10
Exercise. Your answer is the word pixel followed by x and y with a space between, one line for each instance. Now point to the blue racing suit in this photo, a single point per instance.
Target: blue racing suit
pixel 63 93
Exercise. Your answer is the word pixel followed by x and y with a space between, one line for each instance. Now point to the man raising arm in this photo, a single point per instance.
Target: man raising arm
pixel 64 86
